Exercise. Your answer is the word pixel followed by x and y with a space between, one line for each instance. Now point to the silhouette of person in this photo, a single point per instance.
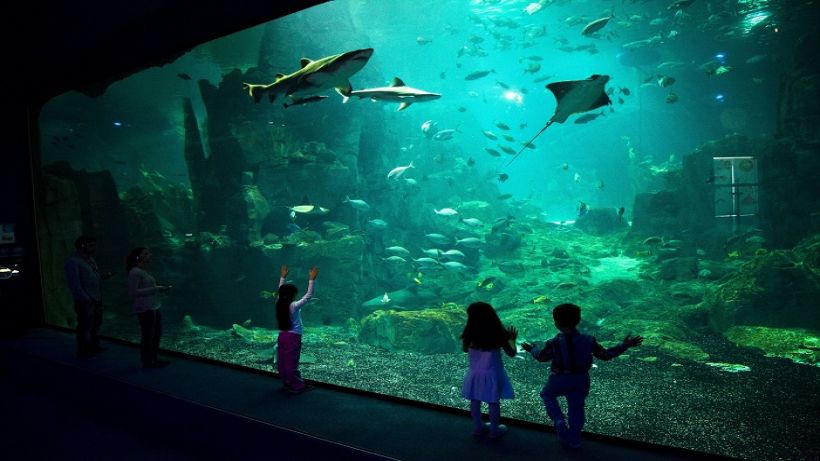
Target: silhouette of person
pixel 483 339
pixel 289 342
pixel 571 354
pixel 83 277
pixel 143 288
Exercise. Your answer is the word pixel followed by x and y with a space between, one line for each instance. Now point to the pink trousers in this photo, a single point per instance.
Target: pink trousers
pixel 287 359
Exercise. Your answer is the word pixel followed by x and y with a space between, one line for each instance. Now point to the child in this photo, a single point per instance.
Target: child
pixel 486 381
pixel 289 343
pixel 571 354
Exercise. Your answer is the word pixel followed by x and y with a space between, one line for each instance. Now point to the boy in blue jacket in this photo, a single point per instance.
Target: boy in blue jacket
pixel 571 354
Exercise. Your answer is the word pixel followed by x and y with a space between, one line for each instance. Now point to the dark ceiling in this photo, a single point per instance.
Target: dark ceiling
pixel 54 47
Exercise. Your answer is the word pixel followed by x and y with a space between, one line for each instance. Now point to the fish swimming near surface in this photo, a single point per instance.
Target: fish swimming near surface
pixel 398 92
pixel 665 81
pixel 360 205
pixel 507 149
pixel 439 239
pixel 377 224
pixel 479 74
pixel 307 100
pixel 446 212
pixel 309 209
pixel 470 242
pixel 444 135
pixel 586 118
pixel 429 128
pixel 596 25
pixel 398 171
pixel 397 250
pixel 453 255
pixel 574 97
pixel 313 78
pixel 486 283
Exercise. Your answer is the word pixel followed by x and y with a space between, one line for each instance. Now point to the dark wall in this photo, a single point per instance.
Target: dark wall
pixel 62 46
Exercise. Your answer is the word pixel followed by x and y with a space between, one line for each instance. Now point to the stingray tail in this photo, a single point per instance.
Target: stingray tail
pixel 529 142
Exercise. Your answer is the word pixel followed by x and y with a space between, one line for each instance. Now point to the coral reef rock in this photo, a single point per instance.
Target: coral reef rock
pixel 777 289
pixel 798 345
pixel 429 331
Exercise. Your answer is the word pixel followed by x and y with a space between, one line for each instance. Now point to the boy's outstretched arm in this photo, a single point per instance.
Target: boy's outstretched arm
pixel 632 341
pixel 541 353
pixel 607 354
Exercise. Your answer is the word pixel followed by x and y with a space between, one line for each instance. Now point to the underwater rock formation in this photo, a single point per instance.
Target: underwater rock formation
pixel 429 331
pixel 777 289
pixel 78 202
pixel 798 108
pixel 679 269
pixel 656 213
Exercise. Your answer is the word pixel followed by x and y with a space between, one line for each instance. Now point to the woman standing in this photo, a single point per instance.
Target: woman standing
pixel 143 288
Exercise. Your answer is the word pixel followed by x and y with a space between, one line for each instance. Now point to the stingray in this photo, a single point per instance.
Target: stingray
pixel 574 97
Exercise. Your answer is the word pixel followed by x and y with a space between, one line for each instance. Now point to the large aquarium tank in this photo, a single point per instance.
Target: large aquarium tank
pixel 671 193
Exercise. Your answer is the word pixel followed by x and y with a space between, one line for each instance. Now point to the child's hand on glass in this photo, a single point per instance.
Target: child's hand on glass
pixel 513 333
pixel 632 341
pixel 526 346
pixel 314 271
pixel 283 271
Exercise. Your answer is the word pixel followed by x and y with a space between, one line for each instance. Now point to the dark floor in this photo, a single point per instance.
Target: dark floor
pixel 57 406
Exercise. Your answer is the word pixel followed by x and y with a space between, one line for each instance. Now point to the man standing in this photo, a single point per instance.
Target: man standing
pixel 84 278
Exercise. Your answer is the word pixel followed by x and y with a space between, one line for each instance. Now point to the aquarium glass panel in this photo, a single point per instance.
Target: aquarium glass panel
pixel 654 163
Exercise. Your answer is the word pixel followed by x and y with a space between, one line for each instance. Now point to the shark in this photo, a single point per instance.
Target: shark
pixel 396 92
pixel 407 298
pixel 574 97
pixel 313 78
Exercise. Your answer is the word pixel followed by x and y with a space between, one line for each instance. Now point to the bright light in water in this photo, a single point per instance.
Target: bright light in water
pixel 514 96
pixel 117 123
pixel 720 98
pixel 720 56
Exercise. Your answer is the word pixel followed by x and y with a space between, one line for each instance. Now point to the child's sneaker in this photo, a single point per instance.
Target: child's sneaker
pixel 498 432
pixel 562 431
